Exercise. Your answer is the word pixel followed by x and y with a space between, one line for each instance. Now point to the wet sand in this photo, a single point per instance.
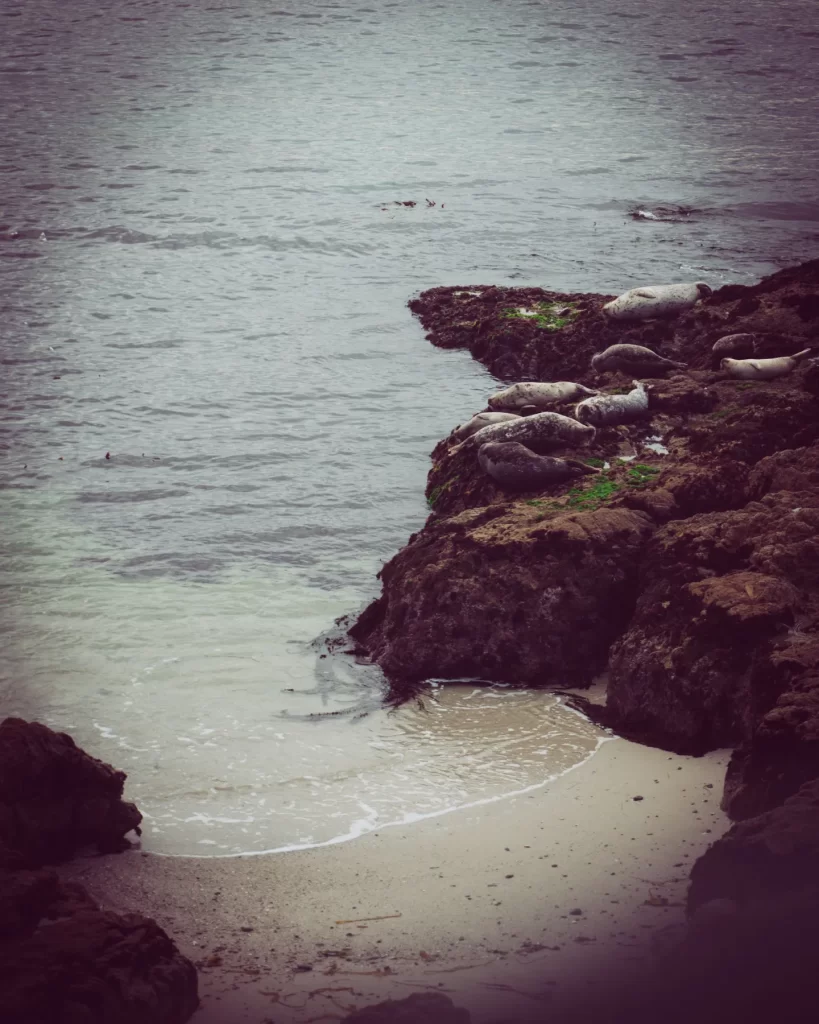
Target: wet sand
pixel 504 907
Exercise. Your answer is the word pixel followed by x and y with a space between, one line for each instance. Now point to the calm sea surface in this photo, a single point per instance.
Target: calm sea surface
pixel 205 274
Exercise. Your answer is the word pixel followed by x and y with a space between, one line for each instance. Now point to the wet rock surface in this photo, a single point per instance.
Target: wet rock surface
pixel 62 958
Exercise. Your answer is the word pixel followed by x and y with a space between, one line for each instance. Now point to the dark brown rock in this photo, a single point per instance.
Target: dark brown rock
pixel 62 960
pixel 779 311
pixel 55 798
pixel 782 752
pixel 419 1008
pixel 507 594
pixel 794 469
pixel 702 658
pixel 767 856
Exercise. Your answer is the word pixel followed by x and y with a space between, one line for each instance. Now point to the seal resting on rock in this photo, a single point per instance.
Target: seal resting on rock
pixel 740 345
pixel 513 465
pixel 633 359
pixel 609 410
pixel 656 300
pixel 541 432
pixel 479 421
pixel 763 369
pixel 538 395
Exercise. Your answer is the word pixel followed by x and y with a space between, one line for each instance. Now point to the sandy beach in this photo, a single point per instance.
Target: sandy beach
pixel 505 907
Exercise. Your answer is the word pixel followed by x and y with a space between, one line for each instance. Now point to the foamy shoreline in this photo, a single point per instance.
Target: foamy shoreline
pixel 485 897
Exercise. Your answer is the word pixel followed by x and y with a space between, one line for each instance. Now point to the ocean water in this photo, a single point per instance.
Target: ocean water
pixel 217 409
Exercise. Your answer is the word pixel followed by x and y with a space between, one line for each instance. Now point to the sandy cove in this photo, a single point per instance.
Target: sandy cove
pixel 485 896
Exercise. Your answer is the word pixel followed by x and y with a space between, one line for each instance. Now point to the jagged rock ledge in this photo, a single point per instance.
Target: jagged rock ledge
pixel 690 577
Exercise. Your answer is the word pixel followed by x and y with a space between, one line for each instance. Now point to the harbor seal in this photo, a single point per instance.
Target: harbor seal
pixel 656 300
pixel 633 359
pixel 538 395
pixel 541 433
pixel 609 410
pixel 479 421
pixel 739 345
pixel 763 369
pixel 512 465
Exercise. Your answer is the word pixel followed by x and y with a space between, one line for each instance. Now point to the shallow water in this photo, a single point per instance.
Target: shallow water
pixel 204 274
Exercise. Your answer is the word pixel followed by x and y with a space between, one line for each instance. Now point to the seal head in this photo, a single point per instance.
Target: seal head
pixel 478 422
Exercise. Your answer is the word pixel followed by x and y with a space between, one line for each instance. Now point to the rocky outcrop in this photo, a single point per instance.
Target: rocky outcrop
pixel 689 571
pixel 705 609
pixel 63 959
pixel 505 594
pixel 55 798
pixel 532 334
pixel 719 596
pixel 764 858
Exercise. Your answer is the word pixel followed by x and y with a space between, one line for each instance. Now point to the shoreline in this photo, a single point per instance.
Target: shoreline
pixel 412 817
pixel 503 940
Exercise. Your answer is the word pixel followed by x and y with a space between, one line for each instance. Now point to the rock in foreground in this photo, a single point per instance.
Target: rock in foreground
pixel 55 798
pixel 64 961
pixel 419 1008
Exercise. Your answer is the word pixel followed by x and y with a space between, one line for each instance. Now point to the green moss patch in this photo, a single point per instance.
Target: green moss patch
pixel 549 316
pixel 593 497
pixel 639 475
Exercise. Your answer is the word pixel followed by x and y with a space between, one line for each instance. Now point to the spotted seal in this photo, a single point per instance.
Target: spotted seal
pixel 738 345
pixel 541 433
pixel 513 465
pixel 763 369
pixel 538 395
pixel 479 421
pixel 635 360
pixel 656 300
pixel 609 410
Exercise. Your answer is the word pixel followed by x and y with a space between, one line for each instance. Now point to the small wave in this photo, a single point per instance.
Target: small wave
pixel 665 214
pixel 287 169
pixel 370 823
pixel 119 233
pixel 129 497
